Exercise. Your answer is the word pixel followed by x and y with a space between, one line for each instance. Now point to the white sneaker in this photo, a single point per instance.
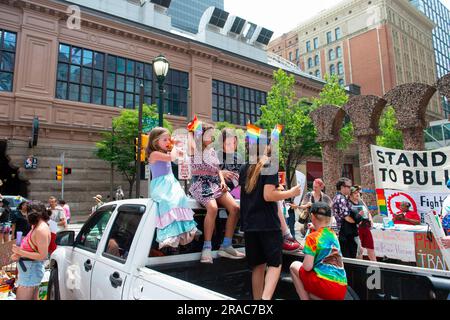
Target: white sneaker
pixel 230 253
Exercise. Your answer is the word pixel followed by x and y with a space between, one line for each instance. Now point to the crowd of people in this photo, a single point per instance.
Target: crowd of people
pixel 33 225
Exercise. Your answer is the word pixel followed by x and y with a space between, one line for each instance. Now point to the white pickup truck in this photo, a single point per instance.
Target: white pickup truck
pixel 113 257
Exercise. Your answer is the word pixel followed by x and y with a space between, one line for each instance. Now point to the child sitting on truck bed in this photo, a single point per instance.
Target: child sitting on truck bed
pixel 175 220
pixel 321 276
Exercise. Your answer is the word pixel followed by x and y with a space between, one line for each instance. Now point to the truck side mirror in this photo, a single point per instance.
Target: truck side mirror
pixel 65 238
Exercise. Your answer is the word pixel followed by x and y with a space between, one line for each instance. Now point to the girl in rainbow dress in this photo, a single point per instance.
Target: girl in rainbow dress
pixel 175 221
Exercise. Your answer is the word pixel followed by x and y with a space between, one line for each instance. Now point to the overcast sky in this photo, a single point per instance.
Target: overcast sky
pixel 281 16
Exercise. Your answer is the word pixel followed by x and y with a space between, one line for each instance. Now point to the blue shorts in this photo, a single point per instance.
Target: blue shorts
pixel 34 274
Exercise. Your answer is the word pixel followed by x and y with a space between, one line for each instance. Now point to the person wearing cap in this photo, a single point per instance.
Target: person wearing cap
pixel 99 202
pixel 321 276
pixel 445 214
pixel 406 216
pixel 359 208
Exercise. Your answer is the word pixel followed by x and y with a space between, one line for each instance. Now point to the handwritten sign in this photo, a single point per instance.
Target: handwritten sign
pixel 394 245
pixel 184 171
pixel 428 254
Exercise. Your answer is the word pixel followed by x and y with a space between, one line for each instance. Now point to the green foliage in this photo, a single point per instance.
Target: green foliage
pixel 223 125
pixel 283 107
pixel 334 94
pixel 119 149
pixel 390 137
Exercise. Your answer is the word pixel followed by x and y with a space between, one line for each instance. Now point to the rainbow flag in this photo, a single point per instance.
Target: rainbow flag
pixel 276 132
pixel 382 203
pixel 253 133
pixel 195 126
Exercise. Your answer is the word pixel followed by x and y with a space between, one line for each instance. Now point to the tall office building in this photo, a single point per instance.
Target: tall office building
pixel 186 14
pixel 440 15
pixel 375 44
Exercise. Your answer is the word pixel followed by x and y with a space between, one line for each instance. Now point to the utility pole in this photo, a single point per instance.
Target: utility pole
pixel 112 163
pixel 62 181
pixel 139 146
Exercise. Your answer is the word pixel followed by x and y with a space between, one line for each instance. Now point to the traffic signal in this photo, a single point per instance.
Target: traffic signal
pixel 144 144
pixel 59 172
pixel 67 171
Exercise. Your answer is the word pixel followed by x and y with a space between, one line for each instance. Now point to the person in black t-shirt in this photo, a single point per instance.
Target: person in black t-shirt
pixel 19 220
pixel 261 224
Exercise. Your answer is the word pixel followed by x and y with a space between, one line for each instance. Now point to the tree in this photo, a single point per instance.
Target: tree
pixel 119 148
pixel 390 137
pixel 334 94
pixel 283 107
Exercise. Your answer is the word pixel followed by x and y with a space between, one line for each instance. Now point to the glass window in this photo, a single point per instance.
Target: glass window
pixel 7 59
pixel 316 60
pixel 329 37
pixel 332 69
pixel 339 52
pixel 316 43
pixel 310 62
pixel 331 55
pixel 92 232
pixel 80 74
pixel 341 82
pixel 340 68
pixel 228 106
pixel 123 231
pixel 177 85
pixel 318 73
pixel 308 46
pixel 337 33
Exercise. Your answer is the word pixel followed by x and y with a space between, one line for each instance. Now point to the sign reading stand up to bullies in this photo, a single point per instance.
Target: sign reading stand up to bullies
pixel 411 170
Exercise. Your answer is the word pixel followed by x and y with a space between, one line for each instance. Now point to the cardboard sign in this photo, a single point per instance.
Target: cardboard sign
pixel 428 254
pixel 301 181
pixel 184 171
pixel 411 170
pixel 393 244
pixel 5 253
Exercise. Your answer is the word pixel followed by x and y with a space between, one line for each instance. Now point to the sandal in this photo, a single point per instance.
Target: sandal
pixel 206 256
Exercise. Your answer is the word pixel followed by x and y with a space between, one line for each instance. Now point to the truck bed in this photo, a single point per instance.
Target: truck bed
pixel 228 277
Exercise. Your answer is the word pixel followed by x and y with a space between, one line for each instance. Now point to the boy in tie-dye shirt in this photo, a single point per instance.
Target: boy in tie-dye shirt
pixel 322 274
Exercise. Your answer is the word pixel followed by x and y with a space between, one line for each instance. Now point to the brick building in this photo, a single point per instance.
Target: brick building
pixel 76 78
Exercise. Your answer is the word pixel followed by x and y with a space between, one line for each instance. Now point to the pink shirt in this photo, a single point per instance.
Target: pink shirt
pixel 67 211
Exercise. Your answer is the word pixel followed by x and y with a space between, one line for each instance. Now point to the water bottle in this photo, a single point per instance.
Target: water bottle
pixel 19 238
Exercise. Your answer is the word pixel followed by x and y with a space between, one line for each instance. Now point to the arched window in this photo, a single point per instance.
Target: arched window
pixel 340 68
pixel 331 55
pixel 339 52
pixel 341 82
pixel 316 60
pixel 332 69
pixel 318 73
pixel 310 63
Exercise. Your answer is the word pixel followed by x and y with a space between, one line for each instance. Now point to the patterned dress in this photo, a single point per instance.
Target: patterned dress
pixel 205 177
pixel 341 209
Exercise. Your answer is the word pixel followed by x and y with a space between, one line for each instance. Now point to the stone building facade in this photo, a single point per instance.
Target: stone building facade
pixel 376 45
pixel 73 79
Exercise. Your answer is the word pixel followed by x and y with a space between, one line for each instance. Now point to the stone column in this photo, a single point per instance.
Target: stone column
pixel 328 121
pixel 443 86
pixel 365 113
pixel 410 103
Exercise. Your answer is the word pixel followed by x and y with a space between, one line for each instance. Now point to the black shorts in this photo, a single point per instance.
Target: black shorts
pixel 264 247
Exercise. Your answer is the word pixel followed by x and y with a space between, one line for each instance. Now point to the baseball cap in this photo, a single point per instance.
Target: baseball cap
pixel 321 208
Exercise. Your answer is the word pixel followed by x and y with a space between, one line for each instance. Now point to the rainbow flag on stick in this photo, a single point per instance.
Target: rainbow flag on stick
pixel 195 126
pixel 276 132
pixel 253 133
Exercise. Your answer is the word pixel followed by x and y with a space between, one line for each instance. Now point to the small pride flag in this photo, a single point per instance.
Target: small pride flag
pixel 195 126
pixel 253 133
pixel 382 203
pixel 276 132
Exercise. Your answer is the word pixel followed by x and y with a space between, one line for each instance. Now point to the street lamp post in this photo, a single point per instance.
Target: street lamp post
pixel 161 68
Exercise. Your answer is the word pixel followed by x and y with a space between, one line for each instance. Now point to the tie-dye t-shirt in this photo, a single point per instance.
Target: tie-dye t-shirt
pixel 324 246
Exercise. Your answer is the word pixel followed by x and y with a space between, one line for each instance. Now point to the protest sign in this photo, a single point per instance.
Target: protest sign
pixel 421 202
pixel 301 181
pixel 428 254
pixel 394 244
pixel 411 170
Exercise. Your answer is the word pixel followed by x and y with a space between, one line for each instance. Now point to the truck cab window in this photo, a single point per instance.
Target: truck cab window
pixel 91 234
pixel 122 234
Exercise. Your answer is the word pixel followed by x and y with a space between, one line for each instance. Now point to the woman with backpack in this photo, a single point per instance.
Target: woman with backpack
pixel 32 253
